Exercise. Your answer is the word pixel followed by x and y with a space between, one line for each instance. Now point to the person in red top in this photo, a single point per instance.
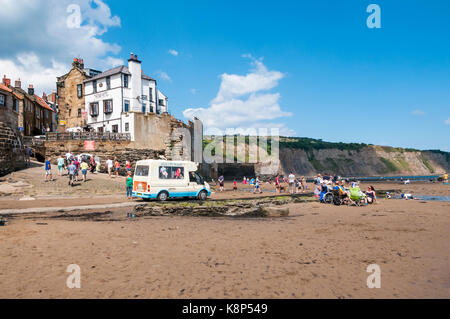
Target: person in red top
pixel 117 167
pixel 128 166
pixel 277 184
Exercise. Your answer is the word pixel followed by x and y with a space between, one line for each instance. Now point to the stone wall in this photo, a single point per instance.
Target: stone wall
pixel 11 150
pixel 68 100
pixel 122 150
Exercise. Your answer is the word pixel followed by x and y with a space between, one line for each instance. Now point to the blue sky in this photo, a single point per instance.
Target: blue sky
pixel 313 68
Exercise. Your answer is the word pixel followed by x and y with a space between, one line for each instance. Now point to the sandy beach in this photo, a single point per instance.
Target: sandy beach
pixel 320 251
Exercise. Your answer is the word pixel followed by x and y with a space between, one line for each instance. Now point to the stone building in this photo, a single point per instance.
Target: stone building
pixel 9 104
pixel 34 114
pixel 11 149
pixel 70 96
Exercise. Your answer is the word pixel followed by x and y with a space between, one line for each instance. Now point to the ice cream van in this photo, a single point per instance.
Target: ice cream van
pixel 162 179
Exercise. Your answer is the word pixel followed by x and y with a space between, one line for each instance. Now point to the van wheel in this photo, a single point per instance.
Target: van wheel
pixel 163 196
pixel 203 195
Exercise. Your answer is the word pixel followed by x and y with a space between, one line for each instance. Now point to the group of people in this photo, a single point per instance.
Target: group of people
pixel 81 164
pixel 347 190
pixel 73 165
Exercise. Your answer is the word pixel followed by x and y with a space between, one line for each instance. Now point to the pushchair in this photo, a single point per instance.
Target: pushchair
pixel 357 197
pixel 339 198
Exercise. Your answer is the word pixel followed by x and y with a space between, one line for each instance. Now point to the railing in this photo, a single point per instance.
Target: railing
pixel 88 136
pixel 32 141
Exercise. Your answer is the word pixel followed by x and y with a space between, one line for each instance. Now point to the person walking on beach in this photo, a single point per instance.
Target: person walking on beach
pixel 27 156
pixel 257 186
pixel 221 183
pixel 235 185
pixel 291 178
pixel 84 168
pixel 48 170
pixel 129 184
pixel 277 185
pixel 61 163
pixel 116 167
pixel 92 165
pixel 109 166
pixel 128 166
pixel 71 172
pixel 77 167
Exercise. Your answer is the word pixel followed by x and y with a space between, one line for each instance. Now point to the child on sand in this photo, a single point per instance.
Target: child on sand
pixel 221 183
pixel 129 186
pixel 257 187
pixel 235 185
pixel 48 170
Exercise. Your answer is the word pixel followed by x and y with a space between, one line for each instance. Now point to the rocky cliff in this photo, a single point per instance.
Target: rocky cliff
pixel 305 156
pixel 366 161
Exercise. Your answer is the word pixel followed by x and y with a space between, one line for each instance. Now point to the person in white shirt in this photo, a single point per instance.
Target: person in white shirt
pixel 291 178
pixel 109 166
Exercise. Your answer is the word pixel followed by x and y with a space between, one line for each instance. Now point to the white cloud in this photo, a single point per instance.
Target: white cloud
pixel 173 52
pixel 163 76
pixel 38 45
pixel 447 121
pixel 243 101
pixel 418 112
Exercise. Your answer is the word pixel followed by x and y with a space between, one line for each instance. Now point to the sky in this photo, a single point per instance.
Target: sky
pixel 309 68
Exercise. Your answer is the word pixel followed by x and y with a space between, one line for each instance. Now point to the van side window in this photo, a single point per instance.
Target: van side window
pixel 141 171
pixel 169 172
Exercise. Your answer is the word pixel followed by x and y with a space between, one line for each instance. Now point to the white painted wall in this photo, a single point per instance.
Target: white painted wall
pixel 137 87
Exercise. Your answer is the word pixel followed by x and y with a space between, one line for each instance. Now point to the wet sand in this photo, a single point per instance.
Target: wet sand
pixel 320 251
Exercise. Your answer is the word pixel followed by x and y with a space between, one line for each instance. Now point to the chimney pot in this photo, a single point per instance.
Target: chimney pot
pixel 18 84
pixel 6 81
pixel 30 89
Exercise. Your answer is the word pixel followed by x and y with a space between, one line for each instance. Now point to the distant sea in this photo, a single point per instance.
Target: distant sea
pixel 396 178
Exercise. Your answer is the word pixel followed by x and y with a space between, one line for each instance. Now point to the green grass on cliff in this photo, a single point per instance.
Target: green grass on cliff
pixel 307 144
pixel 390 165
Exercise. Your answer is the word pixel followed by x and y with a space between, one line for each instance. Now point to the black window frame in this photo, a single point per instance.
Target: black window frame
pixel 127 127
pixel 79 91
pixel 142 171
pixel 4 100
pixel 115 128
pixel 125 109
pixel 15 104
pixel 94 86
pixel 150 94
pixel 108 83
pixel 109 110
pixel 144 108
pixel 171 171
pixel 125 81
pixel 93 114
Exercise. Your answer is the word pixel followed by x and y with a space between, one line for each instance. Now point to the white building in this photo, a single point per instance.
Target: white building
pixel 114 97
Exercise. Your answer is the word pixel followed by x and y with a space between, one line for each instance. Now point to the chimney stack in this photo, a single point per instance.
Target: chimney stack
pixel 44 97
pixel 18 84
pixel 77 62
pixel 6 81
pixel 31 90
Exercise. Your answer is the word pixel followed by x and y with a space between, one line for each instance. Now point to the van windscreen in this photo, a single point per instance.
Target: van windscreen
pixel 141 171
